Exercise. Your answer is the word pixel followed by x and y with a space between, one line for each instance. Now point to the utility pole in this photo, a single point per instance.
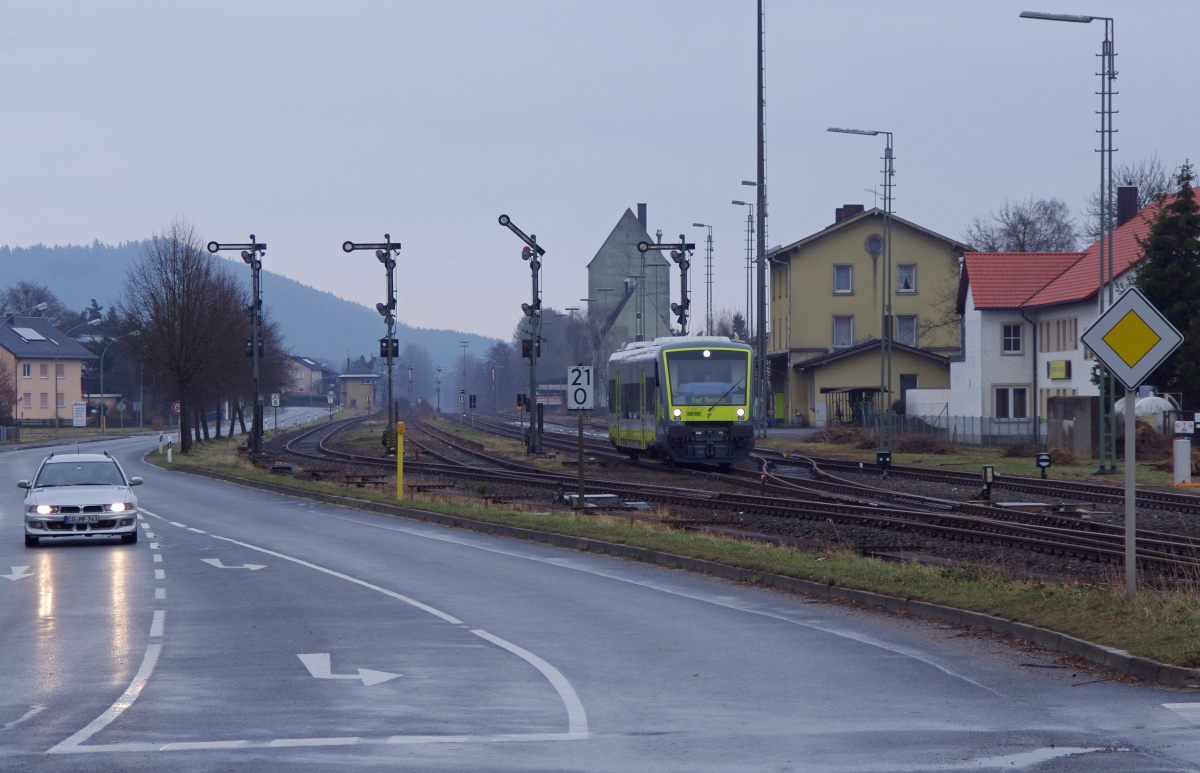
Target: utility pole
pixel 749 316
pixel 464 345
pixel 389 346
pixel 679 254
pixel 760 414
pixel 531 252
pixel 252 254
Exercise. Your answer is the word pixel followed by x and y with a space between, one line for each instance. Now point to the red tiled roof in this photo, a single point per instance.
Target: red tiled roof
pixel 1082 280
pixel 1005 280
pixel 1011 280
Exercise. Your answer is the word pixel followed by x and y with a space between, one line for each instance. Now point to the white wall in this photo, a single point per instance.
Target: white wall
pixel 926 402
pixel 966 376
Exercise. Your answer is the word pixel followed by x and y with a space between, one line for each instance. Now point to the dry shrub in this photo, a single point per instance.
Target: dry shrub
pixel 838 435
pixel 1019 451
pixel 922 444
pixel 1063 457
pixel 1150 445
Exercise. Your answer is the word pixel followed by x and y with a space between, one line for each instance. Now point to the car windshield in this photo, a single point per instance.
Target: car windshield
pixel 708 376
pixel 79 474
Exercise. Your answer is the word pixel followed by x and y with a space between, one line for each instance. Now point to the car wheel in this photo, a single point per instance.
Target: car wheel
pixel 30 541
pixel 129 538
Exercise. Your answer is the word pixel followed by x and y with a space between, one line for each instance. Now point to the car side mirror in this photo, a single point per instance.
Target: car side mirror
pixel 135 481
pixel 22 484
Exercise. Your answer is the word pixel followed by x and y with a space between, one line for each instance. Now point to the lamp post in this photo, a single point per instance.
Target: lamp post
pixel 885 340
pixel 252 254
pixel 750 229
pixel 708 279
pixel 103 407
pixel 532 253
pixel 89 323
pixel 1108 74
pixel 389 346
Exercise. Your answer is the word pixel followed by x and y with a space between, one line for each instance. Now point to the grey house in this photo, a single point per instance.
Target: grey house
pixel 629 290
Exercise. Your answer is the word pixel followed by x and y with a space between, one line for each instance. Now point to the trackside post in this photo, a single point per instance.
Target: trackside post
pixel 400 460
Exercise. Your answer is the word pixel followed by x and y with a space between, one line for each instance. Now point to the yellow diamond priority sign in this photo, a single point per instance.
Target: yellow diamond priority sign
pixel 1132 338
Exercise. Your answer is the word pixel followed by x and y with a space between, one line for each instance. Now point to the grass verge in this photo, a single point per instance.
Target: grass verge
pixel 1160 625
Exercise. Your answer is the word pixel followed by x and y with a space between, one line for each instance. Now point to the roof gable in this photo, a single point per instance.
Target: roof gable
pixel 623 240
pixel 875 213
pixel 34 338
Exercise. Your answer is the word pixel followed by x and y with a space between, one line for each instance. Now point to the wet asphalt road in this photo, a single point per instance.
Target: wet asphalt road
pixel 253 632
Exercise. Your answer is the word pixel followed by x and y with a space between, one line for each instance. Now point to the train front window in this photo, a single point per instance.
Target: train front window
pixel 708 376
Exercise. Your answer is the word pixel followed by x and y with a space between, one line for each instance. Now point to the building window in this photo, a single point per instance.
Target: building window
pixel 1012 339
pixel 906 329
pixel 43 371
pixel 906 278
pixel 62 400
pixel 843 280
pixel 61 369
pixel 27 370
pixel 45 400
pixel 843 332
pixel 1012 403
pixel 27 399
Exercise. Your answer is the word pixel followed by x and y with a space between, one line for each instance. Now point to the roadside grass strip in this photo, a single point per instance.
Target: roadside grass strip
pixel 1161 625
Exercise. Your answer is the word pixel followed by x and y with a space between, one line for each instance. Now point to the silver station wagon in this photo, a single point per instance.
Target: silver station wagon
pixel 80 495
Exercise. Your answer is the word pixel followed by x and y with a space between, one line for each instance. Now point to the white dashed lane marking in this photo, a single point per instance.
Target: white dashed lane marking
pixel 160 574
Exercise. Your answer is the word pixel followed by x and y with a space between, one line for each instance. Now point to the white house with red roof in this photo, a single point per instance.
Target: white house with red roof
pixel 1023 314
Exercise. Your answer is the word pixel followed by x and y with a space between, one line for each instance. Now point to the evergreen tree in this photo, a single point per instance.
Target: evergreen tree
pixel 1169 277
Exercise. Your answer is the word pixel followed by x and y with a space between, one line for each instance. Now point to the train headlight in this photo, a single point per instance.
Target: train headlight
pixel 741 413
pixel 677 413
pixel 707 353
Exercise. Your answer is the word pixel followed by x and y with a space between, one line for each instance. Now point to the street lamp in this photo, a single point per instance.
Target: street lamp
pixel 89 323
pixel 103 407
pixel 885 341
pixel 251 254
pixel 1108 74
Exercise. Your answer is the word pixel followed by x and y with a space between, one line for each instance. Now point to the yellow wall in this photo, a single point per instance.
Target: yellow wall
pixel 863 370
pixel 802 311
pixel 356 394
pixel 69 387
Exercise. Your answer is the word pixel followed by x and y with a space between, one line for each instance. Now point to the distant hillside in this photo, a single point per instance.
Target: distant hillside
pixel 315 323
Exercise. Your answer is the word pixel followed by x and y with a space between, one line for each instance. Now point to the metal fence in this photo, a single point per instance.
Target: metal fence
pixel 968 430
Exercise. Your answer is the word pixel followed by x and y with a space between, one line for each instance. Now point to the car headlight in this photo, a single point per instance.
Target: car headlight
pixel 741 413
pixel 44 509
pixel 677 413
pixel 118 507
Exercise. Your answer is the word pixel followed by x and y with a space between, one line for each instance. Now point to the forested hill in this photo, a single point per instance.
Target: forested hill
pixel 315 323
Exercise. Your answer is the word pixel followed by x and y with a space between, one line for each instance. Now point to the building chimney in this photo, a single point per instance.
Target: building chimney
pixel 1127 204
pixel 850 210
pixel 642 216
pixel 838 215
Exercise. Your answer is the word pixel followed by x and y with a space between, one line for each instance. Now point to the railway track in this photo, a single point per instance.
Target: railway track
pixel 1055 535
pixel 1059 489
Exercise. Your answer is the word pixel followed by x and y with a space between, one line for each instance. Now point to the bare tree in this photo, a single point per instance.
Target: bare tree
pixel 177 308
pixel 1044 225
pixel 1152 180
pixel 23 296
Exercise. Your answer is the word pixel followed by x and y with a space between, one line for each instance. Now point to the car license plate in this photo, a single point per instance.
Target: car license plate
pixel 81 519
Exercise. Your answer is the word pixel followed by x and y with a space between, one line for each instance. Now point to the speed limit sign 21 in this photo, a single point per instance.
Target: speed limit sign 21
pixel 580 388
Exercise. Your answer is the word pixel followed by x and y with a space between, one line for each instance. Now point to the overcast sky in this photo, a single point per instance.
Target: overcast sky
pixel 313 123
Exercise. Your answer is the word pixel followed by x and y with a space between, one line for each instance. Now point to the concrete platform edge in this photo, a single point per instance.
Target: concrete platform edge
pixel 1118 660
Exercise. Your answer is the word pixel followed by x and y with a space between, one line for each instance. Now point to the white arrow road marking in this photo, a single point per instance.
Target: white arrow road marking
pixel 33 711
pixel 17 573
pixel 217 563
pixel 1189 711
pixel 318 665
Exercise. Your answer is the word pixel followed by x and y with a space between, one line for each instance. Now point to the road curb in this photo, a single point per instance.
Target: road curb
pixel 1118 660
